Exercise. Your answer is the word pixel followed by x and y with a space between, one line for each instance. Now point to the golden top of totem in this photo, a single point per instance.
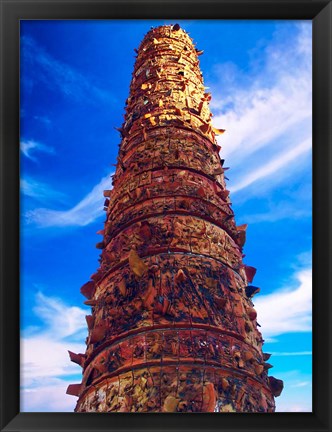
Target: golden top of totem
pixel 167 86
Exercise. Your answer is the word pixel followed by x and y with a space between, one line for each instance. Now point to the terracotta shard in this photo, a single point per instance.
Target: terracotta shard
pixel 170 404
pixel 88 289
pixel 180 276
pixel 145 232
pixel 209 398
pixel 224 384
pixel 98 332
pixel 220 302
pixel 250 272
pixel 74 389
pixel 90 321
pixel 91 302
pixel 150 295
pixel 252 314
pixel 251 290
pixel 248 355
pixel 77 358
pixel 276 386
pixel 137 264
pixel 267 366
pixel 242 227
pixel 218 131
pixel 259 369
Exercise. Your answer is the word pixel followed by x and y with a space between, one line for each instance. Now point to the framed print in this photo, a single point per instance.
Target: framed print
pixel 175 330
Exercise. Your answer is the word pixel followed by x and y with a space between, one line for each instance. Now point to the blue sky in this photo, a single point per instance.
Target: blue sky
pixel 75 78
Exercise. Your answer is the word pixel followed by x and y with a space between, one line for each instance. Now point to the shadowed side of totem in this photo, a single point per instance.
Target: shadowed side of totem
pixel 173 327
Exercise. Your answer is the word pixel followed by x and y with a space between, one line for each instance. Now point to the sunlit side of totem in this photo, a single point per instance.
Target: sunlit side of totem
pixel 173 327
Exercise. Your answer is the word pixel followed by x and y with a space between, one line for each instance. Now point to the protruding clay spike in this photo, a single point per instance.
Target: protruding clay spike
pixel 223 194
pixel 74 389
pixel 218 131
pixel 250 272
pixel 180 276
pixel 107 193
pixel 267 366
pixel 90 320
pixel 266 356
pixel 91 302
pixel 88 289
pixel 251 290
pixel 242 227
pixel 98 332
pixel 96 276
pixel 276 386
pixel 77 358
pixel 252 314
pixel 241 238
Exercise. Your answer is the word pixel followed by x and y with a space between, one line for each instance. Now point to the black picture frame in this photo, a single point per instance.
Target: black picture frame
pixel 12 11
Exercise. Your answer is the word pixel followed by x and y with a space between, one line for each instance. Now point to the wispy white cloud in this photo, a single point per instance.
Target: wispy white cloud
pixel 59 75
pixel 50 397
pixel 48 309
pixel 272 166
pixel 297 394
pixel 46 369
pixel 39 190
pixel 267 112
pixel 38 363
pixel 83 213
pixel 288 309
pixel 302 384
pixel 291 354
pixel 29 147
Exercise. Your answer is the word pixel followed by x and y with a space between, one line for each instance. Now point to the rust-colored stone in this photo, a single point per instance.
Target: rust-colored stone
pixel 172 327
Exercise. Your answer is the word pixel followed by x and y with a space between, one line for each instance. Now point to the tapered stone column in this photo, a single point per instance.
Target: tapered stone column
pixel 173 327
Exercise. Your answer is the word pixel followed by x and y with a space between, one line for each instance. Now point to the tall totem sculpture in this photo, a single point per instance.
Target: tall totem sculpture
pixel 172 328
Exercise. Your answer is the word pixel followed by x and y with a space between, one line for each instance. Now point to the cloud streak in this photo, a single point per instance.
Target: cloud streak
pixel 38 190
pixel 266 114
pixel 29 147
pixel 83 213
pixel 297 395
pixel 58 76
pixel 50 397
pixel 291 354
pixel 46 369
pixel 48 309
pixel 273 166
pixel 287 310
